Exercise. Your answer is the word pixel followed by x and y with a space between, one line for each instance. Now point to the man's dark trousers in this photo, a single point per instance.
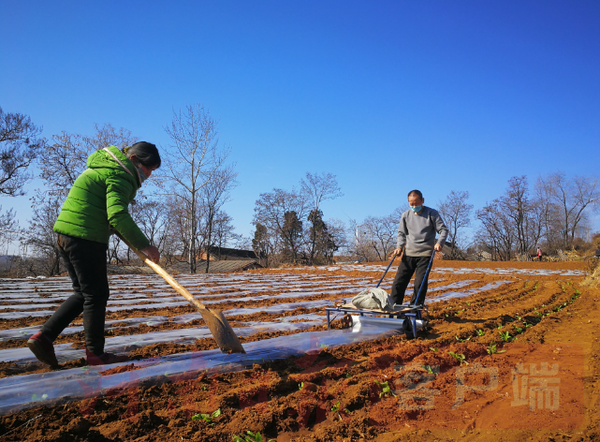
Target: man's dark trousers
pixel 86 263
pixel 410 265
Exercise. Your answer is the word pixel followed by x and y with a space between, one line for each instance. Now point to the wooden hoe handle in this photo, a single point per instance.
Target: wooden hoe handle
pixel 158 269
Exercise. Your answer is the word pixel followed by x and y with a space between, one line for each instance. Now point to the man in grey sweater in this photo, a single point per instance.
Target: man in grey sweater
pixel 416 235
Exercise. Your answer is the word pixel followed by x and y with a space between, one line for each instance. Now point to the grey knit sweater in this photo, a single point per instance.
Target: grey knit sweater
pixel 417 231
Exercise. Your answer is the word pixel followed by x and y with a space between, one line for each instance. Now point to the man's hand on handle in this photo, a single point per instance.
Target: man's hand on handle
pixel 398 251
pixel 152 253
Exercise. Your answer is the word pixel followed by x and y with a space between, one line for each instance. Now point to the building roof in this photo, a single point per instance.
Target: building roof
pixel 183 267
pixel 227 253
pixel 228 265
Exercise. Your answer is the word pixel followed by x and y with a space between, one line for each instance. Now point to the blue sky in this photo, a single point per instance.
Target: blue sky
pixel 387 95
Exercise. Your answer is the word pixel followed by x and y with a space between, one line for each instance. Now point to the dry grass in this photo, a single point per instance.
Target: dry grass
pixel 593 270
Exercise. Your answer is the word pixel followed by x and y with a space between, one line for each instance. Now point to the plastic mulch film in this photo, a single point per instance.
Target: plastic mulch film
pixel 510 271
pixel 188 336
pixel 23 392
pixel 26 332
pixel 468 292
pixel 458 271
pixel 16 315
pixel 152 292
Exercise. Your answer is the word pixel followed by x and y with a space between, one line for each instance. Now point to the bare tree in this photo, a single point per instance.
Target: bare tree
pixel 223 232
pixel 375 237
pixel 517 207
pixel 363 244
pixel 514 223
pixel 151 216
pixel 40 234
pixel 65 159
pixel 318 188
pixel 571 198
pixel 192 161
pixel 398 211
pixel 337 232
pixel 107 135
pixel 175 243
pixel 20 144
pixel 62 162
pixel 214 194
pixel 9 228
pixel 496 233
pixel 270 211
pixel 241 241
pixel 549 215
pixel 381 234
pixel 456 213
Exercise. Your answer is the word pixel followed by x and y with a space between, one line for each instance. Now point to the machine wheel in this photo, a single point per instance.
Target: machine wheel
pixel 347 321
pixel 407 328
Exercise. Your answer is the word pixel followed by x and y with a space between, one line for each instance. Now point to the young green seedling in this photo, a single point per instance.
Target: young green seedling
pixel 492 349
pixel 250 437
pixel 429 369
pixel 385 389
pixel 480 332
pixel 207 417
pixel 505 336
pixel 459 357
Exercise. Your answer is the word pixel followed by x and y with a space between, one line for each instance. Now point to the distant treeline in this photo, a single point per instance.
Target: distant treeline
pixel 181 208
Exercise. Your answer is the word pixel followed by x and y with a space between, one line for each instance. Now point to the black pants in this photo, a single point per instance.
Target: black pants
pixel 86 263
pixel 410 265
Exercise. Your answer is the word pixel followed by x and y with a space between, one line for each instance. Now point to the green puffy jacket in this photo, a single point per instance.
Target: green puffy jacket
pixel 100 198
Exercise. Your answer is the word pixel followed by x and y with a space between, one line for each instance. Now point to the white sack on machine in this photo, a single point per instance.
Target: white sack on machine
pixel 374 299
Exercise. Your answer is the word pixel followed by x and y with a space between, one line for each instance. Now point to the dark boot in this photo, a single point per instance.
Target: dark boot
pixel 41 346
pixel 104 359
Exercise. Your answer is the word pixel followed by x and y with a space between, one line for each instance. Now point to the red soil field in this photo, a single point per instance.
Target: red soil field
pixel 515 363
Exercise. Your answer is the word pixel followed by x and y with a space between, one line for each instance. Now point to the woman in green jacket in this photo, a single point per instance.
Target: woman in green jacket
pixel 97 204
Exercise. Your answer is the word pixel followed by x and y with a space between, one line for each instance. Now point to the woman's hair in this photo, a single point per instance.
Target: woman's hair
pixel 146 153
